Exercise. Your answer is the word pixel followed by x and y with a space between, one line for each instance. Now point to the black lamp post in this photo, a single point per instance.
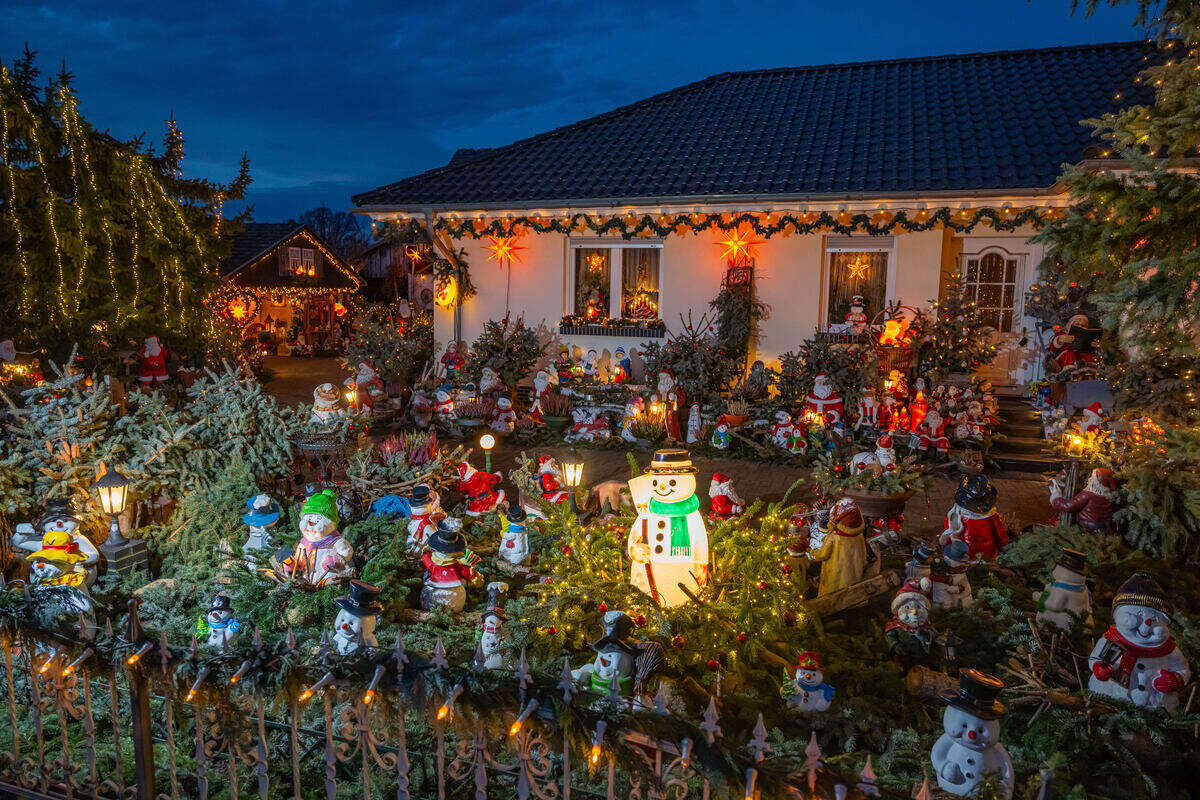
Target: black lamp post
pixel 572 469
pixel 123 555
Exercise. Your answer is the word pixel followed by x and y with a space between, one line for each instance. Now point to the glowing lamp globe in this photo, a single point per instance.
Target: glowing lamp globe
pixel 113 490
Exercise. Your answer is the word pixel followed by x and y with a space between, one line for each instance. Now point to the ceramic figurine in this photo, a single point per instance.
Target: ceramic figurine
pixel 856 319
pixel 951 587
pixel 633 412
pixel 591 425
pixel 897 385
pixel 720 436
pixel 59 518
pixel 490 385
pixel 725 501
pixel 218 626
pixel 502 418
pixel 514 542
pixel 920 565
pixel 543 387
pixel 868 410
pixel 970 747
pixel 591 365
pixel 550 480
pixel 843 554
pixel 477 486
pixel 885 452
pixel 449 565
pixel 1095 505
pixel 615 656
pixel 806 690
pixel 492 642
pixel 1136 659
pixel 694 425
pixel 623 366
pixel 918 409
pixel 421 409
pixel 668 543
pixel 787 435
pixel 1066 598
pixel 152 362
pixel 354 626
pixel 368 386
pixel 563 364
pixel 1083 335
pixel 672 398
pixel 452 361
pixel 469 393
pixel 973 519
pixel 1092 420
pixel 824 398
pixel 262 516
pixel 322 555
pixel 325 405
pixel 424 508
pixel 932 433
pixel 58 562
pixel 909 634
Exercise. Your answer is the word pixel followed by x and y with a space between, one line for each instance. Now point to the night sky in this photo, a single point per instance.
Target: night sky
pixel 333 98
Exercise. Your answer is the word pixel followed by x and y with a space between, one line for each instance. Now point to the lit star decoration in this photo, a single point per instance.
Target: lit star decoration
pixel 858 268
pixel 595 262
pixel 504 250
pixel 413 252
pixel 738 246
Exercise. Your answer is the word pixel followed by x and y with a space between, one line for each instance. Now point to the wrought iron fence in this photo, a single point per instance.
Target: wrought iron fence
pixel 80 727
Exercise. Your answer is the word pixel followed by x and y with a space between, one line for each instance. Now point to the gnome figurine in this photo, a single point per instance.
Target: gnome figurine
pixel 423 510
pixel 262 516
pixel 477 486
pixel 449 565
pixel 973 519
pixel 909 634
pixel 970 748
pixel 1136 659
pixel 354 626
pixel 490 654
pixel 218 626
pixel 514 542
pixel 1066 597
pixel 322 556
pixel 806 690
pixel 725 500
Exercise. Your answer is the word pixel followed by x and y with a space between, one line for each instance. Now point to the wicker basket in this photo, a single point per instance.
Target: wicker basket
pixel 878 504
pixel 890 358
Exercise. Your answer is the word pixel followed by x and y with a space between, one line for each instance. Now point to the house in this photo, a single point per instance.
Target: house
pixel 396 270
pixel 285 286
pixel 875 179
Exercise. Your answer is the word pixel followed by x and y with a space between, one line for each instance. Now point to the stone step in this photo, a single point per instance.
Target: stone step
pixel 1026 445
pixel 1031 429
pixel 1024 462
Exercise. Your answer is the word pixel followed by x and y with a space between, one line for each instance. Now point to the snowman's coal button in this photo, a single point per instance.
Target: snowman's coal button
pixel 658 549
pixel 970 761
pixel 662 523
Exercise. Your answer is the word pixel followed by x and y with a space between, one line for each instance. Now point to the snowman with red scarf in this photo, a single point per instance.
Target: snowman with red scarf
pixel 477 486
pixel 1136 659
pixel 974 519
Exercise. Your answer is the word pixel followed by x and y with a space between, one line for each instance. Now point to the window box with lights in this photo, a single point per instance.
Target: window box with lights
pixel 614 289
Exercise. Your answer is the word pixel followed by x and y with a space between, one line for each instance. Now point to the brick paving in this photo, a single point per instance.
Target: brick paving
pixel 292 380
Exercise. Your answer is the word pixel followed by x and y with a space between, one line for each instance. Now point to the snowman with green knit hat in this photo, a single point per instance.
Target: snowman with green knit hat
pixel 322 556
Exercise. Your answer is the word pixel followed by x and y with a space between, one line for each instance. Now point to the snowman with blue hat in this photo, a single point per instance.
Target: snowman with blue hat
pixel 261 517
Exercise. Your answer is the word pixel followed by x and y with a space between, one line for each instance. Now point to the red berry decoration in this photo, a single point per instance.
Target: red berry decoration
pixel 640 620
pixel 566 550
pixel 602 607
pixel 552 630
pixel 890 467
pixel 677 642
pixel 743 636
pixel 713 665
pixel 762 585
pixel 786 569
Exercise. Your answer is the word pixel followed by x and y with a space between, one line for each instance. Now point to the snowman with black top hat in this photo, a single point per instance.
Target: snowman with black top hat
pixel 668 543
pixel 970 747
pixel 1066 598
pixel 219 624
pixel 57 538
pixel 631 664
pixel 354 626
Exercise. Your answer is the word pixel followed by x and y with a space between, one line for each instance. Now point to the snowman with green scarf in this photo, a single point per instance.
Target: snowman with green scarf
pixel 668 543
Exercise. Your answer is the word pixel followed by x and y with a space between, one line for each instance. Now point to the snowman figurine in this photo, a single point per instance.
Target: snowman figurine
pixel 970 747
pixel 1136 659
pixel 919 566
pixel 806 690
pixel 514 542
pixel 218 625
pixel 1066 597
pixel 262 516
pixel 59 519
pixel 492 642
pixel 423 506
pixel 668 543
pixel 951 587
pixel 449 565
pixel 322 556
pixel 325 405
pixel 615 656
pixel 720 435
pixel 354 626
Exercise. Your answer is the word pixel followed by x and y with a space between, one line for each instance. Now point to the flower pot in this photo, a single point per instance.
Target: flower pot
pixel 556 423
pixel 878 504
pixel 737 420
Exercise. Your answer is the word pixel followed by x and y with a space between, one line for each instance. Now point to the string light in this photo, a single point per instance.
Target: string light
pixel 326 679
pixel 369 695
pixel 447 707
pixel 141 651
pixel 69 669
pixel 191 695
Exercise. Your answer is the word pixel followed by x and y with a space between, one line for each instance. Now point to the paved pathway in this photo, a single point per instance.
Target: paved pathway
pixel 292 380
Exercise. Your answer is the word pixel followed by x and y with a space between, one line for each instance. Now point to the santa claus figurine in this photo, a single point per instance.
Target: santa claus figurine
pixel 152 362
pixel 868 410
pixel 490 385
pixel 973 519
pixel 477 486
pixel 1095 505
pixel 1136 660
pixel 725 501
pixel 452 361
pixel 1093 419
pixel 368 386
pixel 543 387
pixel 932 433
pixel 856 320
pixel 672 398
pixel 550 481
pixel 824 398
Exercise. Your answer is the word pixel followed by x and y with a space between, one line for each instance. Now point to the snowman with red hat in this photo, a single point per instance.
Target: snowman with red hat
pixel 477 486
pixel 824 398
pixel 725 500
pixel 1093 419
pixel 806 690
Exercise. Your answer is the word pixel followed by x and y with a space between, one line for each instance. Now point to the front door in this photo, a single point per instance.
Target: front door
pixel 991 278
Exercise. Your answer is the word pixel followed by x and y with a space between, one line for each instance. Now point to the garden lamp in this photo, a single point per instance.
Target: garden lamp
pixel 572 469
pixel 487 442
pixel 113 491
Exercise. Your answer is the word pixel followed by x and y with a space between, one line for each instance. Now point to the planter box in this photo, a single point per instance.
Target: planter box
pixel 629 331
pixel 878 504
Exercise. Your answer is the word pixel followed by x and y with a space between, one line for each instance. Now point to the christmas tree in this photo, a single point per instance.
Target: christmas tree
pixel 954 336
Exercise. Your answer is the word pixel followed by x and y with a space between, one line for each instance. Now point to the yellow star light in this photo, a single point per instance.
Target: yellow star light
pixel 858 268
pixel 504 250
pixel 738 246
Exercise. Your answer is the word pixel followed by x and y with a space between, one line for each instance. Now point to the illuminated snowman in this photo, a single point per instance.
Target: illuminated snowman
pixel 668 543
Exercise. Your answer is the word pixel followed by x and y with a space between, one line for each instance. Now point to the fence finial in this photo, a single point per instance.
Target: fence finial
pixel 566 681
pixel 710 727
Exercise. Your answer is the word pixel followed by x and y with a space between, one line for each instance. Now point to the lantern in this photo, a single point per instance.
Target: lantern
pixel 572 469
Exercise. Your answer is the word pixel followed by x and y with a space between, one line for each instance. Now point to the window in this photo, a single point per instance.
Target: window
pixel 300 261
pixel 856 272
pixel 991 281
pixel 615 281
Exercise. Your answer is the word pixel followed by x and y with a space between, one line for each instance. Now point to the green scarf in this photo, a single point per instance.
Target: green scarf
pixel 681 543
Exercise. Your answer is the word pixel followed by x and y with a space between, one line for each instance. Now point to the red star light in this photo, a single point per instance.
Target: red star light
pixel 503 250
pixel 738 246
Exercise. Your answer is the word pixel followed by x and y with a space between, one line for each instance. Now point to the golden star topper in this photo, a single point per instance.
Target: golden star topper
pixel 503 250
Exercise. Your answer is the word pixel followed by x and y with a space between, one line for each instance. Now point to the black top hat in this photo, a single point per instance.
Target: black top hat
pixel 362 601
pixel 976 494
pixel 1073 560
pixel 671 461
pixel 1142 589
pixel 58 508
pixel 977 694
pixel 220 603
pixel 497 597
pixel 923 553
pixel 517 513
pixel 617 627
pixel 420 495
pixel 448 538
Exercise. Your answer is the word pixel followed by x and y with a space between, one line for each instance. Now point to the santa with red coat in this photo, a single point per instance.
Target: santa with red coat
pixel 543 387
pixel 368 387
pixel 868 409
pixel 973 519
pixel 1093 419
pixel 152 366
pixel 672 399
pixel 932 431
pixel 477 486
pixel 824 398
pixel 725 501
pixel 550 480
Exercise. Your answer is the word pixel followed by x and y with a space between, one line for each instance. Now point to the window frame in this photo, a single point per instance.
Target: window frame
pixel 856 244
pixel 1018 297
pixel 616 271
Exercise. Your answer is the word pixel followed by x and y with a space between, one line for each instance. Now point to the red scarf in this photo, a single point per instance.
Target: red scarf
pixel 1133 652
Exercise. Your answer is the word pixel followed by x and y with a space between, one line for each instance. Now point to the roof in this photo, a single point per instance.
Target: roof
pixel 953 123
pixel 259 239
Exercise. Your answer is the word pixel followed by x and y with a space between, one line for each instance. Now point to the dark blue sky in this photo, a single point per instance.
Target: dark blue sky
pixel 333 98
